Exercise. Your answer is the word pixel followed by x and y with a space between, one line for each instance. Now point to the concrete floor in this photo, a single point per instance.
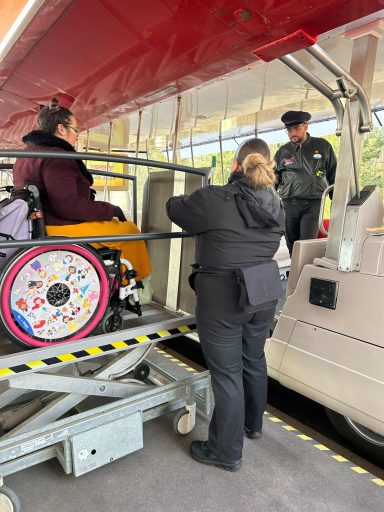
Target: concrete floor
pixel 281 472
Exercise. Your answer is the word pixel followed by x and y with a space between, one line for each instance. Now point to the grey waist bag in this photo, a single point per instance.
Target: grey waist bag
pixel 259 285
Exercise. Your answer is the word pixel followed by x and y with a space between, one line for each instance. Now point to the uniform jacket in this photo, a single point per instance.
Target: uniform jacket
pixel 235 225
pixel 304 172
pixel 64 185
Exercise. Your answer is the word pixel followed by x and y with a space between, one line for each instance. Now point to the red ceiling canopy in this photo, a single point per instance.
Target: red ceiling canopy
pixel 105 58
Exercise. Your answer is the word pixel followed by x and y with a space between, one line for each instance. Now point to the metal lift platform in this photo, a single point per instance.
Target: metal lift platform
pixel 80 404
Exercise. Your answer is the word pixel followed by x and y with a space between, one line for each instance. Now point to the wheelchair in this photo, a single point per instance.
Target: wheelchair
pixel 56 294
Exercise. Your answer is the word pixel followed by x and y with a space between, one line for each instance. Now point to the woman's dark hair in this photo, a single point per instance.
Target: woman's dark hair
pixel 250 146
pixel 52 115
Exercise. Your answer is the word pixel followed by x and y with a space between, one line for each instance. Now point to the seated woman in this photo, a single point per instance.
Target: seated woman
pixel 65 188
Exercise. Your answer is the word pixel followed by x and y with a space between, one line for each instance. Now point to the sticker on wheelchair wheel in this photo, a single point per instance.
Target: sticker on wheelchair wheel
pixel 55 295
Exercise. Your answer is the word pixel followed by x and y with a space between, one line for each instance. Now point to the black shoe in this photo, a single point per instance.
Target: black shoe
pixel 199 451
pixel 252 434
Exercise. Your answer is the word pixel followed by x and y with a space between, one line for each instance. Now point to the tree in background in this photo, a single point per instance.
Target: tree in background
pixel 372 162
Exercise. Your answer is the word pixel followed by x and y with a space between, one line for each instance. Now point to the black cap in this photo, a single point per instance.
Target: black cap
pixel 294 117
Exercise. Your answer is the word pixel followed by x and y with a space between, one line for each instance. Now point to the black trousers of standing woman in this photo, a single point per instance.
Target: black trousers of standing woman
pixel 232 342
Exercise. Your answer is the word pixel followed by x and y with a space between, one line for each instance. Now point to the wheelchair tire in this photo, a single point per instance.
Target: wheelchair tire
pixel 112 322
pixel 53 294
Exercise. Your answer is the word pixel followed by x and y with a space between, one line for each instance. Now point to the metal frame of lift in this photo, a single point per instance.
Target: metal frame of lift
pixel 43 385
pixel 92 438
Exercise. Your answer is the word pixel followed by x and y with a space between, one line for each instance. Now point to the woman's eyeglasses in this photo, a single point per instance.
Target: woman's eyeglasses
pixel 76 130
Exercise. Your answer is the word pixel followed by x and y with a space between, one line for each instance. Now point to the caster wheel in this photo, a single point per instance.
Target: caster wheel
pixel 184 422
pixel 111 322
pixel 141 371
pixel 9 502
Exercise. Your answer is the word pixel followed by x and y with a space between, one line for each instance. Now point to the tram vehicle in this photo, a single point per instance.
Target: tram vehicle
pixel 159 77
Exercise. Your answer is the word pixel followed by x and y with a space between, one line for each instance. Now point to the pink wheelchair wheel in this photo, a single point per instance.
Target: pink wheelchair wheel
pixel 53 294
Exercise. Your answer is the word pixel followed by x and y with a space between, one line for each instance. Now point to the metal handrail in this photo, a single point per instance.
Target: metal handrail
pixel 322 87
pixel 60 240
pixel 322 207
pixel 321 55
pixel 9 167
pixel 97 157
pixel 64 155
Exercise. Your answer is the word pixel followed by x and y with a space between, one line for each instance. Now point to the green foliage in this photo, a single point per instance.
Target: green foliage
pixel 372 161
pixel 371 170
pixel 374 145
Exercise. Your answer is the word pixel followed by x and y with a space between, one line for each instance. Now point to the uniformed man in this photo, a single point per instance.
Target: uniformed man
pixel 305 166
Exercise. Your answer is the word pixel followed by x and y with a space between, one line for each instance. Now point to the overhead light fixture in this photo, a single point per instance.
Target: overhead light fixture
pixel 25 16
pixel 163 92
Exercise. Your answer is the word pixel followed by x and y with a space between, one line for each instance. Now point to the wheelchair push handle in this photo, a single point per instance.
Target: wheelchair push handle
pixel 36 197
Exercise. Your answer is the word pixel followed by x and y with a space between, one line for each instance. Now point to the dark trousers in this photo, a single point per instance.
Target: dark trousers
pixel 233 346
pixel 301 220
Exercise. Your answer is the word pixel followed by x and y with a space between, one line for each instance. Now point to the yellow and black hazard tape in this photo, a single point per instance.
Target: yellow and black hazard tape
pixel 174 359
pixel 321 447
pixel 94 351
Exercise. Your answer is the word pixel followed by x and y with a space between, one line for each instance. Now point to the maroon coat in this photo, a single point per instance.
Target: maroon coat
pixel 64 185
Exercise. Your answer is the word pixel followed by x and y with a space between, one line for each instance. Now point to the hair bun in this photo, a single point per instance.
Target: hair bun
pixel 52 115
pixel 54 104
pixel 259 170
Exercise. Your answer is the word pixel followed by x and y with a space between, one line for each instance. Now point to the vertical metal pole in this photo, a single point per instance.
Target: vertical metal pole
pixel 221 152
pixel 87 142
pixel 147 152
pixel 362 69
pixel 127 132
pixel 167 147
pixel 109 145
pixel 191 144
pixel 226 99
pixel 175 243
pixel 264 87
pixel 134 200
pixel 176 131
pixel 109 142
pixel 126 125
pixel 138 140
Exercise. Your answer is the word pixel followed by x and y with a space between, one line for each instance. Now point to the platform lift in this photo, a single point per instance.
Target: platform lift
pixel 85 402
pixel 328 343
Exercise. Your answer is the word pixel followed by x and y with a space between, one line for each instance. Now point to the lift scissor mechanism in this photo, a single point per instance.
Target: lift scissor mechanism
pixel 80 406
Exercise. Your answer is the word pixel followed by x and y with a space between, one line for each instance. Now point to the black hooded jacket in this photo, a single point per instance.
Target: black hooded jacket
pixel 236 225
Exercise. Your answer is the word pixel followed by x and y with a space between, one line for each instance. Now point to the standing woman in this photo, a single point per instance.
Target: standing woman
pixel 65 188
pixel 237 230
